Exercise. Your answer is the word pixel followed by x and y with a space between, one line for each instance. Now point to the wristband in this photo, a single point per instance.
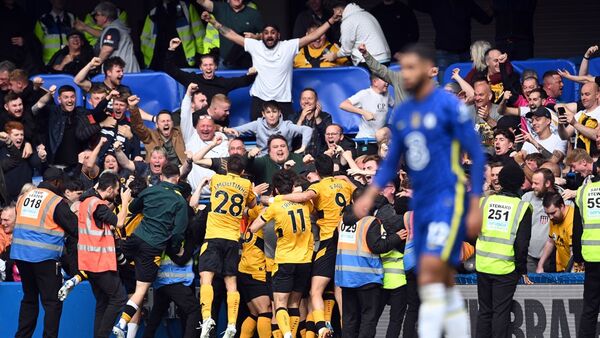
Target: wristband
pixel 329 22
pixel 586 57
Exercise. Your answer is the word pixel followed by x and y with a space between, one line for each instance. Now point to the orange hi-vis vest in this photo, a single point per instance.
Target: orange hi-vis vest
pixel 37 237
pixel 96 246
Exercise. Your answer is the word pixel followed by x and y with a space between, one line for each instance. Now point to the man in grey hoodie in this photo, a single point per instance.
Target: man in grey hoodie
pixel 114 39
pixel 272 123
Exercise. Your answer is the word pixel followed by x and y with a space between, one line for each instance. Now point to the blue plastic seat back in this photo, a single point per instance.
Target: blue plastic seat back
pixel 465 68
pixel 61 80
pixel 334 85
pixel 594 67
pixel 157 90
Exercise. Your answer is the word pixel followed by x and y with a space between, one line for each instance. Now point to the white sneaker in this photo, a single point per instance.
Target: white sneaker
pixel 65 290
pixel 230 331
pixel 207 326
pixel 325 333
pixel 287 335
pixel 119 332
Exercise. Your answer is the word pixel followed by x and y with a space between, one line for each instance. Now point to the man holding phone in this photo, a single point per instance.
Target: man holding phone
pixel 583 124
pixel 549 144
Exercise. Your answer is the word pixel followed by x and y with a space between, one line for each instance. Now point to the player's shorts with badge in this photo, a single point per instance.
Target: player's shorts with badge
pixel 220 256
pixel 439 228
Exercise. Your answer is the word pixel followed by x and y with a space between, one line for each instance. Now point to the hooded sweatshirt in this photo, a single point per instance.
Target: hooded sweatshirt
pixel 359 26
pixel 262 131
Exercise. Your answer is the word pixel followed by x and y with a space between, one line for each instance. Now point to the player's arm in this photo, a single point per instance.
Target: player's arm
pixel 224 30
pixel 258 223
pixel 300 197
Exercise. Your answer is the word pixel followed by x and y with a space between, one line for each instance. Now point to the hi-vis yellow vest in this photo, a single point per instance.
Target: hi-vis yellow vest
pixel 89 20
pixel 189 28
pixel 494 250
pixel 588 201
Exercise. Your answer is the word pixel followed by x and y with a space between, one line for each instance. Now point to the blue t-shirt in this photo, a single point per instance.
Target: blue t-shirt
pixel 431 134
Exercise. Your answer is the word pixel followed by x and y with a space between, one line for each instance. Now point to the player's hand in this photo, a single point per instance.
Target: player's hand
pixel 474 218
pixel 261 188
pixel 27 150
pixel 133 101
pixel 174 43
pixel 526 280
pixel 362 48
pixel 367 115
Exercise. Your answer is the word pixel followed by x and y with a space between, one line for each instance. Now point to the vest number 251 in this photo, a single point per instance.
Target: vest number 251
pixel 498 214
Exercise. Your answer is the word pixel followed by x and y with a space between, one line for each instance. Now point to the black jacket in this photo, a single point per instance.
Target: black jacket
pixel 378 242
pixel 6 164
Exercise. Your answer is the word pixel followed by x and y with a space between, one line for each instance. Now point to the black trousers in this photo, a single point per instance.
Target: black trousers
pixel 413 302
pixel 591 300
pixel 495 294
pixel 396 299
pixel 39 280
pixel 360 311
pixel 110 299
pixel 186 301
pixel 257 107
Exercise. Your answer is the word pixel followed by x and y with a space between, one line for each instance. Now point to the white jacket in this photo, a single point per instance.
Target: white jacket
pixel 359 26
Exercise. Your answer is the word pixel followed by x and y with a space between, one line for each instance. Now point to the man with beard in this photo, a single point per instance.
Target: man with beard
pixel 165 135
pixel 542 182
pixel 113 75
pixel 278 157
pixel 5 68
pixel 536 99
pixel 560 234
pixel 68 129
pixel 311 56
pixel 208 82
pixel 273 60
pixel 14 111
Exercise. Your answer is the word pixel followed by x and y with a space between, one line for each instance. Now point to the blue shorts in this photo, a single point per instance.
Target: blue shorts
pixel 439 227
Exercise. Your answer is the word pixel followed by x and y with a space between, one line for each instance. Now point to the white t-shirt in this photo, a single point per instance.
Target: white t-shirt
pixel 552 143
pixel 274 66
pixel 378 104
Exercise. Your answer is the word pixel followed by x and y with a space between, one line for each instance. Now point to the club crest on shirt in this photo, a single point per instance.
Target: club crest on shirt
pixel 415 120
pixel 429 121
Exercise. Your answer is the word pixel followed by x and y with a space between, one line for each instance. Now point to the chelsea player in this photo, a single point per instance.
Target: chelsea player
pixel 430 131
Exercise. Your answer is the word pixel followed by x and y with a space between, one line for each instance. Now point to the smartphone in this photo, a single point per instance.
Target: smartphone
pixel 561 111
pixel 518 132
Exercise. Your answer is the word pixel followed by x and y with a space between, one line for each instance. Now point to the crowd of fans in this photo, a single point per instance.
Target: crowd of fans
pixel 520 117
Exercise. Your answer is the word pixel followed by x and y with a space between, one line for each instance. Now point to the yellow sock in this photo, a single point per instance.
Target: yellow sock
pixel 206 298
pixel 248 327
pixel 329 302
pixel 319 316
pixel 233 303
pixel 294 320
pixel 277 334
pixel 283 320
pixel 263 325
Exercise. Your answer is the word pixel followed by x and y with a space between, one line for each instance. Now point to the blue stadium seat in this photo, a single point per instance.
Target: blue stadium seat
pixel 594 68
pixel 465 68
pixel 334 85
pixel 156 90
pixel 61 80
pixel 570 89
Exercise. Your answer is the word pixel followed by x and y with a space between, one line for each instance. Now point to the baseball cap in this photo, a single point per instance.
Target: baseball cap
pixel 540 112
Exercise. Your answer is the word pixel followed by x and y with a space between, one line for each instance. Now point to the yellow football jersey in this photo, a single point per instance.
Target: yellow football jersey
pixel 229 196
pixel 252 260
pixel 332 196
pixel 293 230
